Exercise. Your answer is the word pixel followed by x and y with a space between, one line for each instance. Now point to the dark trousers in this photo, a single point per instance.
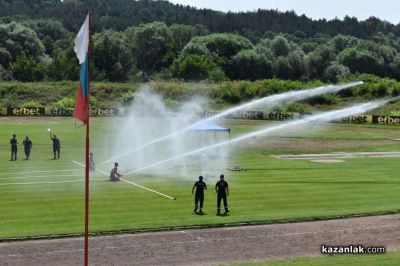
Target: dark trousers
pixel 56 150
pixel 14 152
pixel 219 198
pixel 197 198
pixel 27 152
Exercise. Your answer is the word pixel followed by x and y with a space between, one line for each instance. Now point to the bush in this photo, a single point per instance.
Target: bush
pixel 65 102
pixel 24 67
pixel 195 67
pixel 127 98
pixel 31 104
pixel 335 71
pixel 298 108
pixel 230 93
pixel 217 74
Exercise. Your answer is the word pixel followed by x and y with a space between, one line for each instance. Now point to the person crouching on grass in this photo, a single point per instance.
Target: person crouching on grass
pixel 199 196
pixel 114 175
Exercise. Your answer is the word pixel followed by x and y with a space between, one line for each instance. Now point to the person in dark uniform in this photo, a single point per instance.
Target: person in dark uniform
pixel 222 191
pixel 199 196
pixel 56 146
pixel 14 149
pixel 114 175
pixel 27 147
pixel 92 166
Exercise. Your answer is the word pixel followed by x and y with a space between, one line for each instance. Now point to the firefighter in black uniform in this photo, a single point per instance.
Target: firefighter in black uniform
pixel 27 147
pixel 56 146
pixel 14 143
pixel 199 196
pixel 222 191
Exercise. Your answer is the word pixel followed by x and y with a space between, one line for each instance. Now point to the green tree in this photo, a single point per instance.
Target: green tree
pixel 223 45
pixel 280 46
pixel 282 68
pixel 297 64
pixel 248 64
pixel 48 27
pixel 362 61
pixel 62 66
pixel 5 74
pixel 195 48
pixel 5 57
pixel 151 44
pixel 25 68
pixel 16 38
pixel 319 60
pixel 182 34
pixel 195 67
pixel 111 55
pixel 335 71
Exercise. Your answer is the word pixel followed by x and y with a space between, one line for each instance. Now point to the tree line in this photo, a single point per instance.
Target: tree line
pixel 36 49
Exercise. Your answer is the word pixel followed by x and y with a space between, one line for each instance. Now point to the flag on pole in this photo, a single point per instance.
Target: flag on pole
pixel 81 111
pixel 81 49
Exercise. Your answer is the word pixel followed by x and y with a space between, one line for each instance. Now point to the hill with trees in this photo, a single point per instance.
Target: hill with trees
pixel 153 40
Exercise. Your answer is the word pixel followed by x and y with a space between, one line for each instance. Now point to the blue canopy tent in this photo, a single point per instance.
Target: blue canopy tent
pixel 208 126
pixel 206 134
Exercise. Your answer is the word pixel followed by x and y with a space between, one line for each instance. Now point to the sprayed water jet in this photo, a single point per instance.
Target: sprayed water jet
pixel 324 117
pixel 269 100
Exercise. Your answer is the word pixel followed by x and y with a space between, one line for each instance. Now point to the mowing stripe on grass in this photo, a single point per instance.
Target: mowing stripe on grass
pixel 37 176
pixel 50 182
pixel 30 172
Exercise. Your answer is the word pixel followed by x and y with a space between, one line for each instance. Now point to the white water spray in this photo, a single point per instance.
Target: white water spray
pixel 323 117
pixel 269 100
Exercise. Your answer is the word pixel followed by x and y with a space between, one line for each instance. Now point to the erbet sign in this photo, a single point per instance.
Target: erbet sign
pixel 23 111
pixel 357 119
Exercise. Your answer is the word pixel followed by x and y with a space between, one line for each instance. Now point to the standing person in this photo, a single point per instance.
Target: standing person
pixel 92 166
pixel 222 190
pixel 114 175
pixel 199 196
pixel 56 146
pixel 14 149
pixel 27 147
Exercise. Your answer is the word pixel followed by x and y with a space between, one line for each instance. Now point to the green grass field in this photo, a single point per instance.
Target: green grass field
pixel 389 258
pixel 37 203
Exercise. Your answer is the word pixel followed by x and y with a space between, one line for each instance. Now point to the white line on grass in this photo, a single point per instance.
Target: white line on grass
pixel 50 182
pixel 30 172
pixel 129 182
pixel 148 189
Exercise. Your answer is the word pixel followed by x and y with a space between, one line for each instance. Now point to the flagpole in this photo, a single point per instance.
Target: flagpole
pixel 87 163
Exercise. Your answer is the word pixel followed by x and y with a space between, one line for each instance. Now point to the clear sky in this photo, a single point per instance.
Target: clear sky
pixel 388 10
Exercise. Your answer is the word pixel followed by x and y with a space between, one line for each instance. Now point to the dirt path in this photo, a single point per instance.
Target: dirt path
pixel 209 246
